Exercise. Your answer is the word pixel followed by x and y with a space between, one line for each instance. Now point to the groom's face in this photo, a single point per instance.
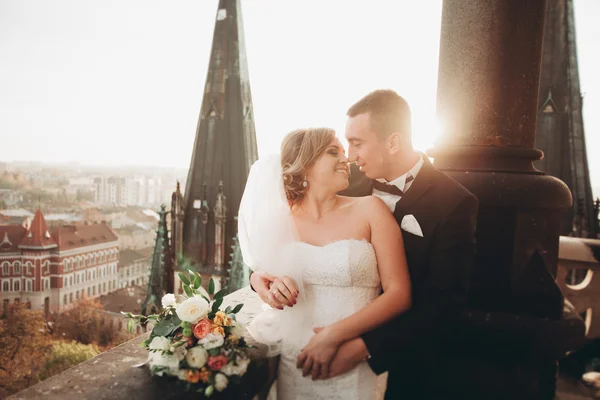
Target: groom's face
pixel 365 148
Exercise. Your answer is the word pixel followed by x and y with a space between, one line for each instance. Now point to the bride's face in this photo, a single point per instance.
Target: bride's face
pixel 330 171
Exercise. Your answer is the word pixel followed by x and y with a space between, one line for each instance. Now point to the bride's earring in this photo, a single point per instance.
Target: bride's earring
pixel 304 183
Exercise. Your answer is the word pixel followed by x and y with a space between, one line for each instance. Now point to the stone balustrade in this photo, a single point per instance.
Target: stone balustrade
pixel 112 375
pixel 578 277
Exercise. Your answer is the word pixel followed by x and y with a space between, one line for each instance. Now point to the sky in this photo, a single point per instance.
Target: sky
pixel 120 82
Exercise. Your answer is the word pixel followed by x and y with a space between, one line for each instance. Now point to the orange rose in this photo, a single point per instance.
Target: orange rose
pixel 233 339
pixel 228 322
pixel 202 328
pixel 204 375
pixel 218 330
pixel 193 376
pixel 217 362
pixel 220 318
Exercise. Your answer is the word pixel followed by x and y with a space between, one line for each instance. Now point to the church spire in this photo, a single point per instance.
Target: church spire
pixel 225 144
pixel 560 131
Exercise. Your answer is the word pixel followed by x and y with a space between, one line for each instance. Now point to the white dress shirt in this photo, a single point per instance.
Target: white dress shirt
pixel 391 199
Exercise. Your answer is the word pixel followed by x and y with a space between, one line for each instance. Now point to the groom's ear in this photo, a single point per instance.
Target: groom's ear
pixel 394 143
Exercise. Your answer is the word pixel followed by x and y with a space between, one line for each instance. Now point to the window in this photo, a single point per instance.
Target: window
pixel 109 285
pixel 71 281
pixel 94 291
pixel 89 292
pixel 64 282
pixel 47 267
pixel 5 268
pixel 29 286
pixel 70 298
pixel 76 295
pixel 5 286
pixel 28 267
pixel 17 286
pixel 77 278
pixel 104 287
pixel 65 299
pixel 17 268
pixel 99 286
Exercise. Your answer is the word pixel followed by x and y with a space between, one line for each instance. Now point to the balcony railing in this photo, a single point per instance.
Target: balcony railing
pixel 578 276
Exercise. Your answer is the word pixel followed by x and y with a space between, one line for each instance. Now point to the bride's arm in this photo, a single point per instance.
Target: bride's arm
pixel 386 239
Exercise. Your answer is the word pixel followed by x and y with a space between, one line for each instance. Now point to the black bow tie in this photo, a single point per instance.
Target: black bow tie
pixel 392 189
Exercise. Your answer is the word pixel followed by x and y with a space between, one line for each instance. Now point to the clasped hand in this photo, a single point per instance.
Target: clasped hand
pixel 316 357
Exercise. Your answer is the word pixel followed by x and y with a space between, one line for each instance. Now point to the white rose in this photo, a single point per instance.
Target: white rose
pixel 239 369
pixel 192 310
pixel 196 357
pixel 165 360
pixel 181 374
pixel 238 330
pixel 211 341
pixel 168 300
pixel 160 343
pixel 220 382
pixel 180 352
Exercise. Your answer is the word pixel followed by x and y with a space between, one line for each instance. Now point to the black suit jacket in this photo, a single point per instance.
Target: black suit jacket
pixel 440 269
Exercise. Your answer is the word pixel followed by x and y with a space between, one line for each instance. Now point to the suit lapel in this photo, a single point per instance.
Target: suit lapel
pixel 419 187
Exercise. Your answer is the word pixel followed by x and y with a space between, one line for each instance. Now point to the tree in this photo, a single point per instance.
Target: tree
pixel 66 355
pixel 86 323
pixel 24 343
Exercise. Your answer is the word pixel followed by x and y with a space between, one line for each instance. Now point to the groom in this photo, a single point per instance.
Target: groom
pixel 437 217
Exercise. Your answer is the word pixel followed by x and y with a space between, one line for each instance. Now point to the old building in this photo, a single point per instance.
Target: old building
pixel 52 269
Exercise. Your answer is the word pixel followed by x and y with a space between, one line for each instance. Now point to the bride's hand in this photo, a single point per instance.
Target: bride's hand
pixel 316 357
pixel 276 292
pixel 283 291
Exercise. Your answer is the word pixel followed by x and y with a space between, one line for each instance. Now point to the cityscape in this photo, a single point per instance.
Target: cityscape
pixel 82 244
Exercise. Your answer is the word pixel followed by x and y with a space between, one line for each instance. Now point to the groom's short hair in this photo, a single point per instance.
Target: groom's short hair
pixel 388 113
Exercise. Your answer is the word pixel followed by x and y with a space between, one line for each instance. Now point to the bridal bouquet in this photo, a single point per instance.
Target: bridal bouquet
pixel 194 340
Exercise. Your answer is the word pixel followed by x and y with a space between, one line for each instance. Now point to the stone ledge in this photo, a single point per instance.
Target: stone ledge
pixel 111 375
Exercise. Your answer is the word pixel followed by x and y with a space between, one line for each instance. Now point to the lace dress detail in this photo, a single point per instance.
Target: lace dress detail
pixel 339 279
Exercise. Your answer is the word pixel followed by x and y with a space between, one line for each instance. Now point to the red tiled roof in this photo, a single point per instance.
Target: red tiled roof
pixel 10 237
pixel 73 236
pixel 38 235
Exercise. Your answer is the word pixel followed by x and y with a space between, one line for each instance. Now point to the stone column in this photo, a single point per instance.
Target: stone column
pixel 490 54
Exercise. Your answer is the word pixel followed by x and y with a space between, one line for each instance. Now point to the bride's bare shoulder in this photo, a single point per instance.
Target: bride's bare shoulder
pixel 369 204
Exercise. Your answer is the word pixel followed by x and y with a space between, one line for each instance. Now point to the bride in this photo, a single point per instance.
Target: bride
pixel 334 255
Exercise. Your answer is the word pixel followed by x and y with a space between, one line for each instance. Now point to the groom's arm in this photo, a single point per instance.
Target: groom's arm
pixel 442 295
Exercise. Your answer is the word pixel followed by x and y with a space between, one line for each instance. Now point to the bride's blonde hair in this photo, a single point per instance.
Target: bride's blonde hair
pixel 300 149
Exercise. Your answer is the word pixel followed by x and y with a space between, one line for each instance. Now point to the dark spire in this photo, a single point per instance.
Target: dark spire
pixel 225 145
pixel 560 132
pixel 161 272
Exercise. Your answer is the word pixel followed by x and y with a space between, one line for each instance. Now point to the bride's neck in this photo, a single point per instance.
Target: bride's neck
pixel 315 206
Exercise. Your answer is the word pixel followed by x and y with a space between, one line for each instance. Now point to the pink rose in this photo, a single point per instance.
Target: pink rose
pixel 202 328
pixel 217 362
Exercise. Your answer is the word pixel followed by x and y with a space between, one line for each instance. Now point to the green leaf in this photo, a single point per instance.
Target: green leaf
pixel 164 328
pixel 237 308
pixel 183 278
pixel 209 391
pixel 216 305
pixel 211 286
pixel 197 281
pixel 130 326
pixel 188 291
pixel 228 310
pixel 214 352
pixel 220 294
pixel 175 320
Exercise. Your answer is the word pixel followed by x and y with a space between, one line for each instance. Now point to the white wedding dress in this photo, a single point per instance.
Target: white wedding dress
pixel 339 279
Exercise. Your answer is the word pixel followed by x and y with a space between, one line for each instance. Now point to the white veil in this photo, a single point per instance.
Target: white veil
pixel 266 232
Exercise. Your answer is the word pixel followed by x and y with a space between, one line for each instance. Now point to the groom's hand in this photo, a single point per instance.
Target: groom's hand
pixel 276 292
pixel 349 355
